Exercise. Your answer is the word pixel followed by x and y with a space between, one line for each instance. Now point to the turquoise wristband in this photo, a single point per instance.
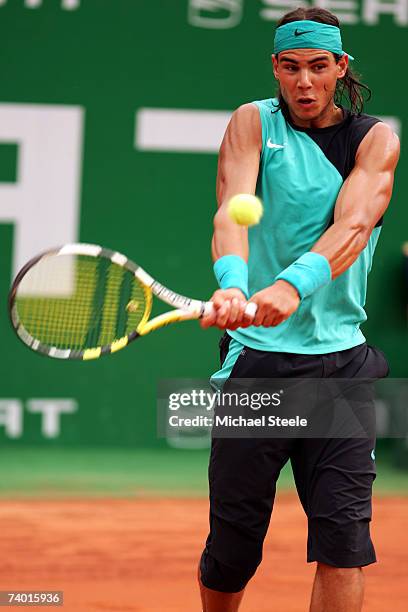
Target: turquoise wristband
pixel 231 271
pixel 307 274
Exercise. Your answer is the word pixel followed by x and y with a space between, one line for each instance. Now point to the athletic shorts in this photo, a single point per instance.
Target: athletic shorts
pixel 333 477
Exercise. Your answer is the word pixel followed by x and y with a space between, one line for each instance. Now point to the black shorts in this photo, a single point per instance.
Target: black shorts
pixel 333 477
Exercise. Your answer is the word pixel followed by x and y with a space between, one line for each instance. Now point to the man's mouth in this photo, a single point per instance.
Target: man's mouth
pixel 305 101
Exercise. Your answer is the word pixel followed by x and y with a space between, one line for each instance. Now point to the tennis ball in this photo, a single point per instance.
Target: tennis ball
pixel 245 209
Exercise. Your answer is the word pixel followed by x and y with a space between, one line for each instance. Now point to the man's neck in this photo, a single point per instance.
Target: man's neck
pixel 330 116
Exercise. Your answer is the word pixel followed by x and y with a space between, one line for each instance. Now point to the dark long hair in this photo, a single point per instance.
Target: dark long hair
pixel 349 88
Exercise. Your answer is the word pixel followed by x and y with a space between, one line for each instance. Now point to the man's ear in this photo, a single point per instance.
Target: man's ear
pixel 275 66
pixel 342 66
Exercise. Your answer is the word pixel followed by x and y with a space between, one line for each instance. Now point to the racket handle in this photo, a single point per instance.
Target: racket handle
pixel 250 309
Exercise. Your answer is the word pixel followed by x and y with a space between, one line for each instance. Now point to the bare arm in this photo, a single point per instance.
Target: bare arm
pixel 362 200
pixel 238 166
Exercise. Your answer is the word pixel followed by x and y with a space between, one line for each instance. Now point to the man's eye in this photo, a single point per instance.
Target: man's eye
pixel 320 66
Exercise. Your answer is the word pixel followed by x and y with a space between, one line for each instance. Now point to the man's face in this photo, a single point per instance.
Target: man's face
pixel 307 79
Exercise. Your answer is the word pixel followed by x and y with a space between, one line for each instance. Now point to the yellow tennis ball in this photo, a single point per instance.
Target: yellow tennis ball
pixel 245 209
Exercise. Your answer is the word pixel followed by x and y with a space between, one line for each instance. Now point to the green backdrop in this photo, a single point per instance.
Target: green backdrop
pixel 109 59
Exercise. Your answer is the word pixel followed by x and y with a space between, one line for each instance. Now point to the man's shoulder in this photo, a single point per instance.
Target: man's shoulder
pixel 268 108
pixel 362 123
pixel 245 117
pixel 381 138
pixel 360 130
pixel 256 113
pixel 366 122
pixel 361 116
pixel 271 104
pixel 268 105
pixel 357 127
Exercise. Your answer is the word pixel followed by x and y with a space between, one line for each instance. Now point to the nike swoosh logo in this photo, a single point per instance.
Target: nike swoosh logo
pixel 299 33
pixel 272 145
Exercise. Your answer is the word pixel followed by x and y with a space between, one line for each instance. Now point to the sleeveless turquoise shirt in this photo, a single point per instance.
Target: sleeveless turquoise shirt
pixel 299 187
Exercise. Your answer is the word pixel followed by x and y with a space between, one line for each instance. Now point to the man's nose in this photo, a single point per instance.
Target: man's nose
pixel 304 80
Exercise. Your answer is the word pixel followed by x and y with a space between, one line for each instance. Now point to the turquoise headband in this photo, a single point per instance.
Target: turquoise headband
pixel 307 34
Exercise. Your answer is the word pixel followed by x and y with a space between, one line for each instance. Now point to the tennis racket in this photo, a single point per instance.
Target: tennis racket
pixel 82 301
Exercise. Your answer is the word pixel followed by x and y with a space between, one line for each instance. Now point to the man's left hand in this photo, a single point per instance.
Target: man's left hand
pixel 275 304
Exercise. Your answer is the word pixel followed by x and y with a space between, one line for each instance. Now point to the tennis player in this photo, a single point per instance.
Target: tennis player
pixel 325 174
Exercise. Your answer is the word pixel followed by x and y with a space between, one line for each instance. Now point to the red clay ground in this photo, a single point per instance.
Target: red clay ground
pixel 141 555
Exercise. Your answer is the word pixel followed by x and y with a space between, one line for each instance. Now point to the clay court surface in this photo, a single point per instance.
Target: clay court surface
pixel 141 555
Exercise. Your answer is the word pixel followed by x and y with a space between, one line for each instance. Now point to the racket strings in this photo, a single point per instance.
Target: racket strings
pixel 79 302
pixel 58 321
pixel 118 320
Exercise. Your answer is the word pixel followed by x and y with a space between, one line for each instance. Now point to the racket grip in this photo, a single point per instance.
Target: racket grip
pixel 250 309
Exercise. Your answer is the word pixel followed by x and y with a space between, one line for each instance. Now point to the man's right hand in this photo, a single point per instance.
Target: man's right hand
pixel 229 310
